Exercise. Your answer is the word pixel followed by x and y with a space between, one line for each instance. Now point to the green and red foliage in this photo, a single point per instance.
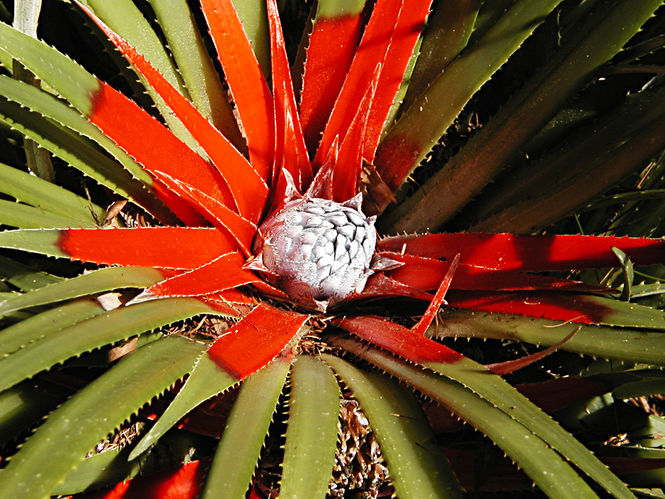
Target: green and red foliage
pixel 203 183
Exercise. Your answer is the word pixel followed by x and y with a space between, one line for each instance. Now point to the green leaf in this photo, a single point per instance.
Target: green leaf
pixel 79 152
pixel 593 41
pixel 631 345
pixel 123 17
pixel 540 462
pixel 206 379
pixel 24 405
pixel 97 281
pixel 39 326
pixel 254 18
pixel 194 65
pixel 592 160
pixel 446 35
pixel 37 192
pixel 105 329
pixel 23 276
pixel 26 16
pixel 43 241
pixel 417 467
pixel 72 430
pixel 311 434
pixel 240 447
pixel 44 104
pixel 502 395
pixel 627 272
pixel 421 126
pixel 21 215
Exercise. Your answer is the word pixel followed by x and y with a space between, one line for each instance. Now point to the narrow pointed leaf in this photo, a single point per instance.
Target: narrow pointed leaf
pixel 311 434
pixel 418 130
pixel 349 160
pixel 598 36
pixel 254 19
pixel 68 147
pixel 491 387
pixel 223 273
pixel 240 447
pixel 552 474
pixel 584 309
pixel 96 332
pixel 195 66
pixel 86 284
pixel 24 277
pixel 21 215
pixel 79 152
pixel 247 188
pixel 371 52
pixel 37 192
pixel 26 404
pixel 291 152
pixel 447 33
pixel 407 28
pixel 438 300
pixel 244 349
pixel 530 253
pixel 332 45
pixel 95 411
pixel 117 116
pixel 125 18
pixel 45 323
pixel 238 228
pixel 165 247
pixel 248 87
pixel 417 469
pixel 427 273
pixel 634 345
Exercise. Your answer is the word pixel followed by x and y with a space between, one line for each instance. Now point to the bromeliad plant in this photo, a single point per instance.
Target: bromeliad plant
pixel 262 214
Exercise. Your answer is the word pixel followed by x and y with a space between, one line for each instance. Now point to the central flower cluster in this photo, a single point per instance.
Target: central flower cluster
pixel 318 251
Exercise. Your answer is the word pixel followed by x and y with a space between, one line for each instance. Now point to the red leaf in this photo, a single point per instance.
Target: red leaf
pixel 332 45
pixel 439 299
pixel 407 29
pixel 371 52
pixel 291 152
pixel 155 147
pixel 426 274
pixel 347 168
pixel 166 247
pixel 510 366
pixel 181 208
pixel 255 340
pixel 242 230
pixel 223 273
pixel 246 186
pixel 535 253
pixel 248 87
pixel 394 160
pixel 322 185
pixel 183 483
pixel 554 306
pixel 381 286
pixel 398 339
